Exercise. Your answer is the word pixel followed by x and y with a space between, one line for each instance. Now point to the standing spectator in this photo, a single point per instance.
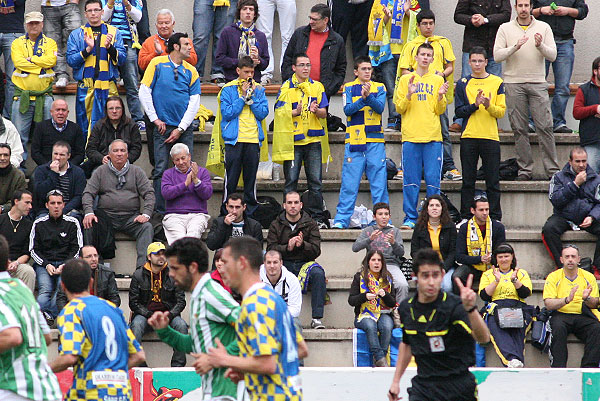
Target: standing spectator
pixel 586 109
pixel 94 51
pixel 481 20
pixel 573 196
pixel 286 11
pixel 561 17
pixel 234 224
pixel 9 136
pixel 211 16
pixel 57 128
pixel 54 239
pixel 62 175
pixel 240 130
pixel 12 179
pixel 12 21
pixel 324 47
pixel 16 228
pixel 526 87
pixel 243 39
pixel 385 238
pixel 170 95
pixel 297 238
pixel 364 150
pixel 118 187
pixel 352 17
pixel 480 101
pixel 124 14
pixel 274 274
pixel 373 296
pixel 114 125
pixel 153 289
pixel 34 56
pixel 187 189
pixel 61 18
pixel 442 64
pixel 300 114
pixel 420 98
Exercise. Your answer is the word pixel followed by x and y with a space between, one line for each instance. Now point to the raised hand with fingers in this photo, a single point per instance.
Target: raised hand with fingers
pixel 159 320
pixel 467 295
pixel 412 87
pixel 586 293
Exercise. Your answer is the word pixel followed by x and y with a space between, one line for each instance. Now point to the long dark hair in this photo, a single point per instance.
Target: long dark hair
pixel 423 218
pixel 384 274
pixel 124 118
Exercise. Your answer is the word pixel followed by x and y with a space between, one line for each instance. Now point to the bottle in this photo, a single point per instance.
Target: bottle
pixel 363 219
pixel 275 172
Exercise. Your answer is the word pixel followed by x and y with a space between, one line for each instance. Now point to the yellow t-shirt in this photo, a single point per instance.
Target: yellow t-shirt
pixel 559 286
pixel 505 288
pixel 434 236
pixel 442 53
pixel 247 124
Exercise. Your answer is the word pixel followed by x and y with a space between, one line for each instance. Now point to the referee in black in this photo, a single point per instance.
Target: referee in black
pixel 439 329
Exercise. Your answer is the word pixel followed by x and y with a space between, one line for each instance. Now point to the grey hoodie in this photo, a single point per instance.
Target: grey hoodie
pixel 391 252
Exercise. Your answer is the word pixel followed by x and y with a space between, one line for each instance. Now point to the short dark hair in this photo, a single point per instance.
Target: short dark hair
pixel 595 64
pixel 322 9
pixel 245 61
pixel 247 247
pixel 297 56
pixel 425 45
pixel 478 50
pixel 577 149
pixel 6 146
pixel 243 3
pixel 293 193
pixel 425 14
pixel 426 256
pixel 380 205
pixel 361 59
pixel 62 144
pixel 3 254
pixel 188 250
pixel 478 199
pixel 88 2
pixel 76 275
pixel 273 252
pixel 235 196
pixel 504 247
pixel 175 40
pixel 18 195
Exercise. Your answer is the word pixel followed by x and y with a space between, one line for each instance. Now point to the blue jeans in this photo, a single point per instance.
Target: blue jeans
pixel 310 155
pixel 316 285
pixel 448 161
pixel 387 73
pixel 47 288
pixel 59 22
pixel 209 19
pixel 6 40
pixel 161 159
pixel 129 73
pixel 379 334
pixel 23 121
pixel 593 156
pixel 139 326
pixel 562 68
pixel 420 159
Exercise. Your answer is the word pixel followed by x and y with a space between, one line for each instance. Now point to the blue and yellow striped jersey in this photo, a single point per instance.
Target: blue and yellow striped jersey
pixel 364 115
pixel 96 331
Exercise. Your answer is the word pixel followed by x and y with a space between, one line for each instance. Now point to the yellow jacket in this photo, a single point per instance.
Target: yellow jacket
pixel 37 74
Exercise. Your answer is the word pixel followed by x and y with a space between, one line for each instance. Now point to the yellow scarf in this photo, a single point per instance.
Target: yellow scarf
pixel 372 309
pixel 102 80
pixel 476 244
pixel 356 134
pixel 221 3
pixel 202 116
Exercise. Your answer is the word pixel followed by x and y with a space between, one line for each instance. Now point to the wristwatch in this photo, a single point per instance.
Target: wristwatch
pixel 514 279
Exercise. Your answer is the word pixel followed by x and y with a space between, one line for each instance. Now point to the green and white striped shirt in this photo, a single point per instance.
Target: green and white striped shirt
pixel 24 368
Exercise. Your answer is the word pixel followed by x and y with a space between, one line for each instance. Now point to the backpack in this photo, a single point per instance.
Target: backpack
pixel 540 330
pixel 334 123
pixel 267 210
pixel 452 210
pixel 507 170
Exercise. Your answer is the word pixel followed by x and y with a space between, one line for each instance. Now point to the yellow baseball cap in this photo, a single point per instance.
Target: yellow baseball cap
pixel 155 247
pixel 34 16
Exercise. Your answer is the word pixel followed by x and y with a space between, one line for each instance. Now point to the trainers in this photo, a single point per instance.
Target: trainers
pixel 523 177
pixel 62 82
pixel 407 225
pixel 381 363
pixel 220 82
pixel 141 125
pixel 455 127
pixel 515 363
pixel 453 175
pixel 337 226
pixel 563 129
pixel 49 318
pixel 322 225
pixel 317 324
pixel 399 175
pixel 265 81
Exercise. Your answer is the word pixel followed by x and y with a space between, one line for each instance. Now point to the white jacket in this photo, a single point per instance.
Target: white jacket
pixel 288 287
pixel 12 137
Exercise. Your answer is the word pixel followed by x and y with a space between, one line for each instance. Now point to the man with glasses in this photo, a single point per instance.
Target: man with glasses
pixel 11 178
pixel 170 95
pixel 574 196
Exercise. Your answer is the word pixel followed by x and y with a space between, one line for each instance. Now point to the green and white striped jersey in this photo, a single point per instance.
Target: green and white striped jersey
pixel 24 369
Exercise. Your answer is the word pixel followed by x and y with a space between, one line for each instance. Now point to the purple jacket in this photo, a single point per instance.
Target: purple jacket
pixel 182 199
pixel 227 52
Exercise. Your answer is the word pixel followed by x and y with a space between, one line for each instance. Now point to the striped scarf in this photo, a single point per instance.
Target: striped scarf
pixel 305 88
pixel 372 309
pixel 7 6
pixel 356 131
pixel 98 60
pixel 476 244
pixel 247 40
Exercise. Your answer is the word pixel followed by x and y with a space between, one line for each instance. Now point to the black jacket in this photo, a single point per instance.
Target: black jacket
pixel 45 136
pixel 589 127
pixel 103 133
pixel 498 237
pixel 280 233
pixel 421 239
pixel 221 232
pixel 140 293
pixel 333 58
pixel 55 240
pixel 563 26
pixel 357 298
pixel 45 180
pixel 496 11
pixel 105 287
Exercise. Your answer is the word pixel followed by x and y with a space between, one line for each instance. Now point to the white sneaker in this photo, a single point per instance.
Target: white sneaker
pixel 515 363
pixel 316 324
pixel 62 82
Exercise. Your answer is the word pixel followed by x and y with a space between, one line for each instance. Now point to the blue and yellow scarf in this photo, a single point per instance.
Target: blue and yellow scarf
pixel 365 125
pixel 372 309
pixel 247 40
pixel 7 6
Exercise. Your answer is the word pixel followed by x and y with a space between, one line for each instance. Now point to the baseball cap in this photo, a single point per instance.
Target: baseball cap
pixel 34 16
pixel 155 247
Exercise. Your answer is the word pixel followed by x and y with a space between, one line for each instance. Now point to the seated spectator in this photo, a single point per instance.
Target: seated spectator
pixel 297 238
pixel 234 224
pixel 572 294
pixel 436 230
pixel 115 125
pixel 55 129
pixel 54 239
pixel 573 194
pixel 585 109
pixel 62 175
pixel 373 296
pixel 243 39
pixel 104 284
pixel 501 287
pixel 10 136
pixel 388 239
pixel 274 274
pixel 16 228
pixel 474 251
pixel 118 187
pixel 217 271
pixel 186 189
pixel 152 290
pixel 11 178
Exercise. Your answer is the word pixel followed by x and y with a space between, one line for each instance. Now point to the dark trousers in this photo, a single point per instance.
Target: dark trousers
pixel 555 227
pixel 489 151
pixel 462 272
pixel 316 285
pixel 352 19
pixel 585 327
pixel 457 388
pixel 241 159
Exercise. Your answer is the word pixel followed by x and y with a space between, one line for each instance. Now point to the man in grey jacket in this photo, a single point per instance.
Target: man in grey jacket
pixel 385 238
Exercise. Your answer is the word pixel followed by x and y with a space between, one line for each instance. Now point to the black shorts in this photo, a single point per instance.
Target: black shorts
pixel 457 388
